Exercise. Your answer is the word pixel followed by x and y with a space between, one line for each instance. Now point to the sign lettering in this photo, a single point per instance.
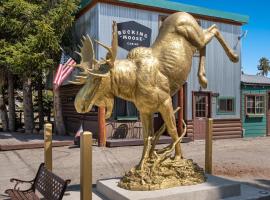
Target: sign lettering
pixel 132 34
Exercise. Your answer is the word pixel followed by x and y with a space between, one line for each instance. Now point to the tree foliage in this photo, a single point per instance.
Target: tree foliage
pixel 31 32
pixel 264 66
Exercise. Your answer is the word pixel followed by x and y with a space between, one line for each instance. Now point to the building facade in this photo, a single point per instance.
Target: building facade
pixel 221 99
pixel 255 111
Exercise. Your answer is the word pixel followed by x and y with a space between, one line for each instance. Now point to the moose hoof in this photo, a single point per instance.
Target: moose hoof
pixel 177 157
pixel 235 58
pixel 140 166
pixel 203 82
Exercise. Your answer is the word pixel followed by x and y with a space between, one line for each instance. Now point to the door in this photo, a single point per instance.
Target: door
pixel 268 115
pixel 201 111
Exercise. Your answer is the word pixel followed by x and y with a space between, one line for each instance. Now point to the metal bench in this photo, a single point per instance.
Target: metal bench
pixel 49 185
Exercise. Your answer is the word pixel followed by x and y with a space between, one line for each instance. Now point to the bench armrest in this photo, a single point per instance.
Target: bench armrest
pixel 18 181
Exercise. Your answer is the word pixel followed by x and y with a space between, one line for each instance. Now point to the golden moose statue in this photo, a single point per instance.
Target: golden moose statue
pixel 149 77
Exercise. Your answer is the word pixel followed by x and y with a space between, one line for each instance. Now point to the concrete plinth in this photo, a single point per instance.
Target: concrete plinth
pixel 215 188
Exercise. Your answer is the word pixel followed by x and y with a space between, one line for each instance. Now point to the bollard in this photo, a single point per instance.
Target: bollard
pixel 208 146
pixel 86 165
pixel 101 127
pixel 48 146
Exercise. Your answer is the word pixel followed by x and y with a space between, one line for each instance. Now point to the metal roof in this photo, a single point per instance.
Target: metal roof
pixel 255 79
pixel 176 6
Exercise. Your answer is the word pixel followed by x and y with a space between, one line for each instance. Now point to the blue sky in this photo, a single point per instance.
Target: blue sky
pixel 257 42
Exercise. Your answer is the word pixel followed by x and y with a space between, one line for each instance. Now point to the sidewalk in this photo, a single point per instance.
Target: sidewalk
pixel 245 160
pixel 17 141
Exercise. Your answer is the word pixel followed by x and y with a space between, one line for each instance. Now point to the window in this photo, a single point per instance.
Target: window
pixel 200 106
pixel 225 105
pixel 255 104
pixel 123 108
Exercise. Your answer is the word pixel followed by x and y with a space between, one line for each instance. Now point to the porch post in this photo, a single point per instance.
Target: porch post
pixel 101 127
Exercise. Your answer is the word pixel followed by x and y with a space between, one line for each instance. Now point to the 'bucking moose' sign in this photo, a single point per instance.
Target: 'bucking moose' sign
pixel 132 34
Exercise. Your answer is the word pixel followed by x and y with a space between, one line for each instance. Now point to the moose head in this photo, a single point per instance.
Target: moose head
pixel 95 76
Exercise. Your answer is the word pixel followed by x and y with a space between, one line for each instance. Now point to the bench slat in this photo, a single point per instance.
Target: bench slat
pixel 20 195
pixel 32 196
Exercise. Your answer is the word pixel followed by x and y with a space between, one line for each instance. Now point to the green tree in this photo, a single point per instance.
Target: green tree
pixel 263 66
pixel 30 36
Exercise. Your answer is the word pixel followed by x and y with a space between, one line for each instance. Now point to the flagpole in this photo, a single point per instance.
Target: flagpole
pixel 65 68
pixel 53 89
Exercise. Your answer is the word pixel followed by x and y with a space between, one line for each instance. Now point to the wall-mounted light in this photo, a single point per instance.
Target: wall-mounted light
pixel 243 35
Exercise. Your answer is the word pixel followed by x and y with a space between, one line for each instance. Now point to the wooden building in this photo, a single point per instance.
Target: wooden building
pixel 255 113
pixel 221 99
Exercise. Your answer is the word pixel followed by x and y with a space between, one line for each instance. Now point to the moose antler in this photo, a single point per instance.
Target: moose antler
pixel 89 64
pixel 87 55
pixel 112 51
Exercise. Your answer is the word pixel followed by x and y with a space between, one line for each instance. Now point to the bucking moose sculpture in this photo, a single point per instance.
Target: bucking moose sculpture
pixel 148 77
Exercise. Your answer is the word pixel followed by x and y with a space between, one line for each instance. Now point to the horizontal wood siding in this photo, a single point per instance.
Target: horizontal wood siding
pixel 73 120
pixel 222 128
pixel 190 128
pixel 254 126
pixel 225 129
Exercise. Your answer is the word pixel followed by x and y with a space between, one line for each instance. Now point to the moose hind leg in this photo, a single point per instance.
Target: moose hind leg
pixel 167 114
pixel 201 72
pixel 214 32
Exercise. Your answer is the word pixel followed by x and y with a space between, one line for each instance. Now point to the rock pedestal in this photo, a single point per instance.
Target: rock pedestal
pixel 167 174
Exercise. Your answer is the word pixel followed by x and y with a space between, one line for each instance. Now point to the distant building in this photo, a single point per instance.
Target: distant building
pixel 221 99
pixel 255 113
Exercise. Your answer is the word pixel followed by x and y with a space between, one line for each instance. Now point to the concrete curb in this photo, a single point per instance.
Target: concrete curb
pixel 33 145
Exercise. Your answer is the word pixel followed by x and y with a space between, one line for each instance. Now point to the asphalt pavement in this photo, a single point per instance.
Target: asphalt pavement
pixel 246 160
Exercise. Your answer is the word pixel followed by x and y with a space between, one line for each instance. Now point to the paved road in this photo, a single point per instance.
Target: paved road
pixel 244 159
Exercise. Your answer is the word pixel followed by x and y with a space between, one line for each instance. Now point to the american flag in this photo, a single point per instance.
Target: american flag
pixel 65 67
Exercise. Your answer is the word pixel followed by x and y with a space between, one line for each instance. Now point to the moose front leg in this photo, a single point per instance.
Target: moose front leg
pixel 147 123
pixel 167 113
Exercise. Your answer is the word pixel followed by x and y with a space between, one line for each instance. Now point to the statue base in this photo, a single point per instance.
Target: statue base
pixel 213 189
pixel 169 173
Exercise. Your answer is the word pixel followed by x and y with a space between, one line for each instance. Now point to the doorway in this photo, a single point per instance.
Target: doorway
pixel 201 111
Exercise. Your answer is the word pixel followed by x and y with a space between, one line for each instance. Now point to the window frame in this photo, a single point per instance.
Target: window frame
pixel 118 117
pixel 208 96
pixel 219 112
pixel 204 104
pixel 264 105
